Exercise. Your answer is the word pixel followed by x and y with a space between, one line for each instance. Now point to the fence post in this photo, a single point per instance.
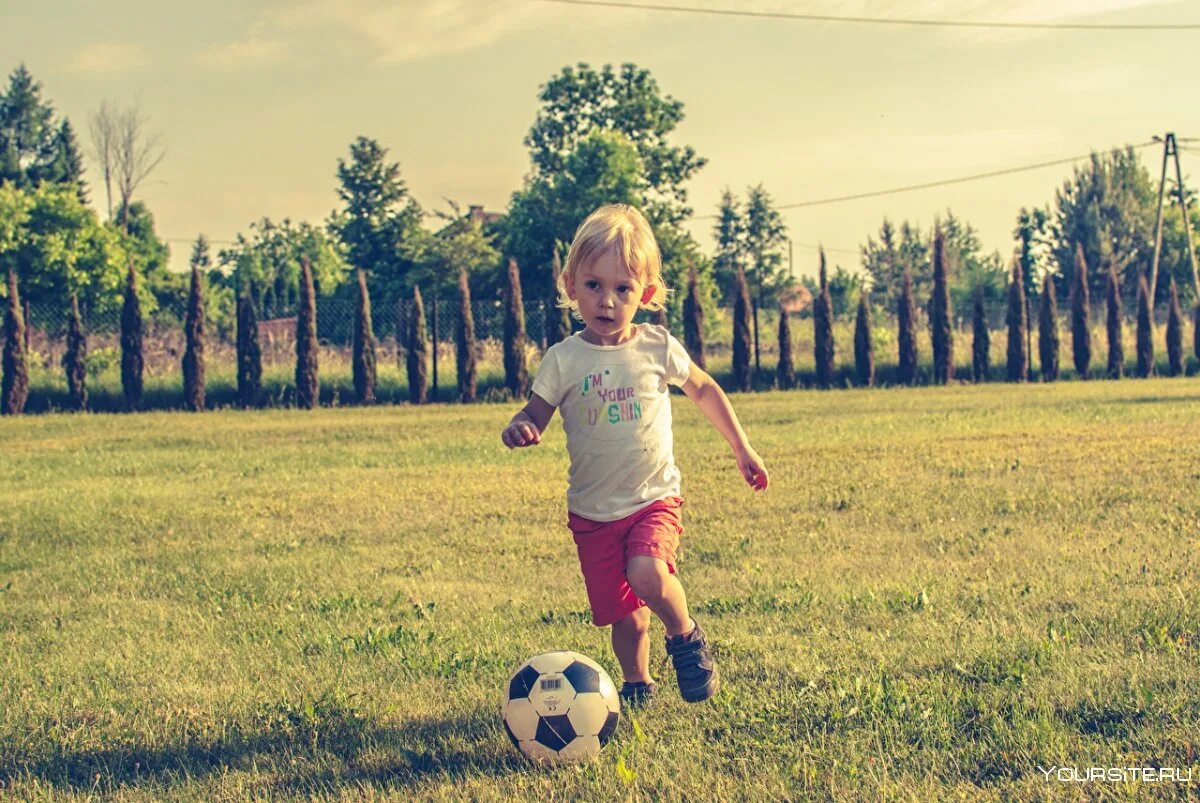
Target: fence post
pixel 435 345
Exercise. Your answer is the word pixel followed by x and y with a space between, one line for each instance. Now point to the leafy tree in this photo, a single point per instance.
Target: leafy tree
pixel 516 375
pixel 193 356
pixel 939 319
pixel 1048 330
pixel 1081 313
pixel 742 379
pixel 14 387
pixel 785 370
pixel 417 351
pixel 364 344
pixel 461 242
pixel 981 340
pixel 1145 330
pixel 1174 333
pixel 906 338
pixel 466 341
pixel 887 260
pixel 823 329
pixel 379 224
pixel 74 360
pixel 864 355
pixel 1017 319
pixel 132 360
pixel 307 383
pixel 249 355
pixel 1116 345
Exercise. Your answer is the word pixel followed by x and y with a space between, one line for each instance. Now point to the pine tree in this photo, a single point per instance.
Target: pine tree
pixel 864 352
pixel 558 319
pixel 14 388
pixel 823 329
pixel 1116 345
pixel 1081 313
pixel 785 371
pixel 74 360
pixel 1048 331
pixel 1174 333
pixel 1145 330
pixel 906 313
pixel 1017 361
pixel 308 388
pixel 132 361
pixel 516 375
pixel 418 352
pixel 466 341
pixel 68 162
pixel 249 355
pixel 193 356
pixel 741 332
pixel 693 321
pixel 940 313
pixel 364 344
pixel 980 340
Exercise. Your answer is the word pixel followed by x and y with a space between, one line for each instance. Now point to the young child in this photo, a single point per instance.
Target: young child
pixel 610 383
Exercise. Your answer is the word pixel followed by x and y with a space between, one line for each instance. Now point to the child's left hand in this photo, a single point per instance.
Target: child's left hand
pixel 752 468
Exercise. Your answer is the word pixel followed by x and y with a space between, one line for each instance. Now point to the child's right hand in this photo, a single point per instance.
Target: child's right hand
pixel 521 432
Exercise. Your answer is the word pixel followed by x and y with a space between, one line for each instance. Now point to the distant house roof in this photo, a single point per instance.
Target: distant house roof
pixel 476 214
pixel 795 299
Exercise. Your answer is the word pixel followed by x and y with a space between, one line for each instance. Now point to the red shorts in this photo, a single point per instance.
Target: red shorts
pixel 606 546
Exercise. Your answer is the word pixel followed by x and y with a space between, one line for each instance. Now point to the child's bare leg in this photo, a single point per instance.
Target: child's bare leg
pixel 632 645
pixel 651 580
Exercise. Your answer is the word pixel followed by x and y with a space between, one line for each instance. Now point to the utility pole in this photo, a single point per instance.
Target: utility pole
pixel 1170 149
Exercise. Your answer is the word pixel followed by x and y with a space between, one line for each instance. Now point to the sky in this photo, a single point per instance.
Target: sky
pixel 255 102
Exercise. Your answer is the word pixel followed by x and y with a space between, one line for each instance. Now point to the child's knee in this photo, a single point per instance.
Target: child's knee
pixel 646 575
pixel 635 622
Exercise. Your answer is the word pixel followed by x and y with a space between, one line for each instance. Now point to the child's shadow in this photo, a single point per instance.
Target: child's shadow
pixel 346 749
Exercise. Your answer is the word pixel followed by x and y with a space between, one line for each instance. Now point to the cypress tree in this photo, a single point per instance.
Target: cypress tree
pixel 364 344
pixel 1116 345
pixel 516 375
pixel 466 340
pixel 558 319
pixel 1018 357
pixel 823 329
pixel 308 386
pixel 1048 331
pixel 1174 333
pixel 418 352
pixel 980 340
pixel 741 332
pixel 74 360
pixel 785 371
pixel 249 355
pixel 1145 330
pixel 1081 313
pixel 693 321
pixel 193 356
pixel 906 313
pixel 864 353
pixel 14 388
pixel 940 313
pixel 132 360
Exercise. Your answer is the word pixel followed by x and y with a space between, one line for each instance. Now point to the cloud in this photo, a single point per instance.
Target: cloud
pixel 106 57
pixel 245 53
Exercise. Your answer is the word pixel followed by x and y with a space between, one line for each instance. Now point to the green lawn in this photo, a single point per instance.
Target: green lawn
pixel 943 589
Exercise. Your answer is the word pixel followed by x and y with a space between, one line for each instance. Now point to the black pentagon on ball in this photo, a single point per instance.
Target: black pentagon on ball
pixel 523 682
pixel 555 732
pixel 582 677
pixel 516 742
pixel 609 727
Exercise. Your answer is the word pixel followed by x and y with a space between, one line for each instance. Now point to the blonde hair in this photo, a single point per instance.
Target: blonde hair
pixel 625 231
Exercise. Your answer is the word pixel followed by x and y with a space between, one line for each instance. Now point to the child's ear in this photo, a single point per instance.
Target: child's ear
pixel 569 283
pixel 648 294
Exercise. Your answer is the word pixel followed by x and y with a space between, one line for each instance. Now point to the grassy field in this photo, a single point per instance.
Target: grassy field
pixel 943 589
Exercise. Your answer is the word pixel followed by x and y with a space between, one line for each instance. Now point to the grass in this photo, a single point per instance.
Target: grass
pixel 943 589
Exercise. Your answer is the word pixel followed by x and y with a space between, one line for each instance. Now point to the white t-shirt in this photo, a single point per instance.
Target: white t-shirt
pixel 616 411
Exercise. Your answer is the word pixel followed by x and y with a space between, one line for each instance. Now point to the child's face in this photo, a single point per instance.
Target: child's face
pixel 608 294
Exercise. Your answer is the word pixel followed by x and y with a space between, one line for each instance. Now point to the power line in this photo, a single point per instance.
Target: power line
pixel 731 12
pixel 943 183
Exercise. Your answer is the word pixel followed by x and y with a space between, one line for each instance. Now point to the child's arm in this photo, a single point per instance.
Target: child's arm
pixel 712 401
pixel 529 423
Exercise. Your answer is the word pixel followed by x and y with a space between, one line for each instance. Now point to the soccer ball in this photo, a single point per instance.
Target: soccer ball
pixel 560 707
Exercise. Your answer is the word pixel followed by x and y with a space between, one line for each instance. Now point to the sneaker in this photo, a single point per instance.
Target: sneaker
pixel 637 694
pixel 694 665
